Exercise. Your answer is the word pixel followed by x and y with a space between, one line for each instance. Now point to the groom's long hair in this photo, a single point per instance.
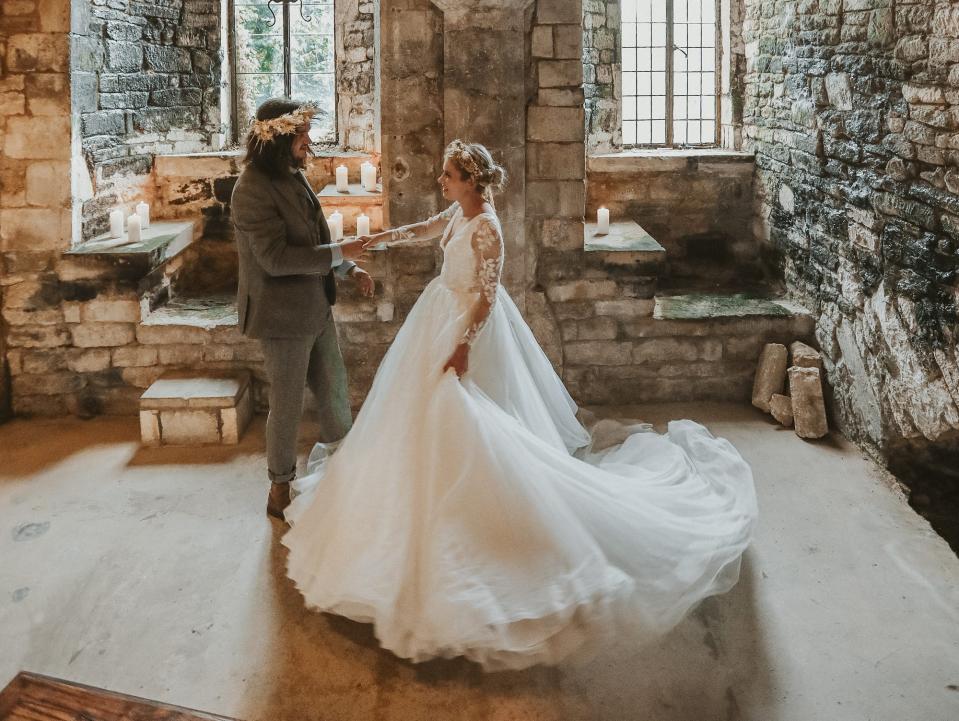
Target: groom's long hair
pixel 274 157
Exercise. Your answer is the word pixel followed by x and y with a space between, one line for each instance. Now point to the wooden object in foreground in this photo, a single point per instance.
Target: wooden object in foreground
pixel 32 697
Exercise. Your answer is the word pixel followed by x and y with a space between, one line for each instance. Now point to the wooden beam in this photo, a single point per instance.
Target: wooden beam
pixel 33 697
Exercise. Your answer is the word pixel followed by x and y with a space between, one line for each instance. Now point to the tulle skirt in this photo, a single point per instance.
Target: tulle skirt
pixel 477 517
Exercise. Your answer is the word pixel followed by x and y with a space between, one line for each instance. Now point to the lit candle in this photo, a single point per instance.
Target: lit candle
pixel 602 221
pixel 336 226
pixel 143 210
pixel 133 228
pixel 362 225
pixel 368 176
pixel 342 179
pixel 116 224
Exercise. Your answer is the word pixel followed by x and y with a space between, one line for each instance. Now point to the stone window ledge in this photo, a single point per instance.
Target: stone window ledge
pixel 163 240
pixel 321 152
pixel 217 163
pixel 663 159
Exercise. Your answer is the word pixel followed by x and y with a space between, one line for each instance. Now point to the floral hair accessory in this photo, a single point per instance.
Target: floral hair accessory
pixel 265 130
pixel 459 152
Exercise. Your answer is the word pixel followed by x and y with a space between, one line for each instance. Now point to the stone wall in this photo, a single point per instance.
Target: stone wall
pixel 357 30
pixel 698 204
pixel 732 13
pixel 82 338
pixel 35 216
pixel 602 53
pixel 852 108
pixel 411 70
pixel 146 80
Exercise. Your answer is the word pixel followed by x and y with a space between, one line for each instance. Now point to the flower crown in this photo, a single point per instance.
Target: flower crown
pixel 265 130
pixel 459 152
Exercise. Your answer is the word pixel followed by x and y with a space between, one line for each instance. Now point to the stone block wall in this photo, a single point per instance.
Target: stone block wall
pixel 733 72
pixel 411 70
pixel 35 216
pixel 602 54
pixel 358 125
pixel 80 340
pixel 851 107
pixel 146 80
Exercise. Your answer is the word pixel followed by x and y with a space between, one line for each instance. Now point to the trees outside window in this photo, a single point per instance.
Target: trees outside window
pixel 284 49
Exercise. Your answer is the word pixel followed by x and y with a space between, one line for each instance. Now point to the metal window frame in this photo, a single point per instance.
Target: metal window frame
pixel 670 54
pixel 287 69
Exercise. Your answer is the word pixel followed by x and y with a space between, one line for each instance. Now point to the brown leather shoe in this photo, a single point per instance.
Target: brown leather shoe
pixel 278 499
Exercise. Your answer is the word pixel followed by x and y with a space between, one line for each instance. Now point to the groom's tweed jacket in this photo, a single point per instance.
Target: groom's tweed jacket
pixel 286 285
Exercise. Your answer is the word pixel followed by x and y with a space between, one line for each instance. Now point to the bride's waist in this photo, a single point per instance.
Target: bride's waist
pixel 460 288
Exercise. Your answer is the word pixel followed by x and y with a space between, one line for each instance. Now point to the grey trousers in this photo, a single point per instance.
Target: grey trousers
pixel 291 365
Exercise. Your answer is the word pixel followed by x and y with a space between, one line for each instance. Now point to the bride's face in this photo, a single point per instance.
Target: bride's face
pixel 452 183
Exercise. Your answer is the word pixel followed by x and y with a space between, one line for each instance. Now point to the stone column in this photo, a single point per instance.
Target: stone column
pixel 733 72
pixel 35 222
pixel 484 101
pixel 411 82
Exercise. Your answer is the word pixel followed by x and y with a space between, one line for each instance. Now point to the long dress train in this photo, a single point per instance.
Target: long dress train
pixel 476 516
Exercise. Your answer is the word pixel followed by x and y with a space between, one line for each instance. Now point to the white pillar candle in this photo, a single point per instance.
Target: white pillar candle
pixel 133 228
pixel 602 221
pixel 368 176
pixel 335 222
pixel 342 179
pixel 116 223
pixel 362 225
pixel 143 210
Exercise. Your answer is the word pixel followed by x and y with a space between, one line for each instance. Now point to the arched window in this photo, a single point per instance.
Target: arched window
pixel 670 72
pixel 283 49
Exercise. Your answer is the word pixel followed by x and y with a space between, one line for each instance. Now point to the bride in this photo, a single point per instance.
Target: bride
pixel 469 513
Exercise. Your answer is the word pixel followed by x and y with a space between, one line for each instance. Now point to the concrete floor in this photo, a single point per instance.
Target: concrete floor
pixel 156 573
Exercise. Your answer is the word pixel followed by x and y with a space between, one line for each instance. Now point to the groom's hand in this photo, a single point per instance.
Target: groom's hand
pixel 364 281
pixel 355 249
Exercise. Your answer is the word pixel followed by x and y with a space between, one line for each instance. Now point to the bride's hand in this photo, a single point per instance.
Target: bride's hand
pixel 459 361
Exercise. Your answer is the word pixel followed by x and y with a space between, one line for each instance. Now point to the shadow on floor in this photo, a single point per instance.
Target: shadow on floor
pixel 713 666
pixel 21 453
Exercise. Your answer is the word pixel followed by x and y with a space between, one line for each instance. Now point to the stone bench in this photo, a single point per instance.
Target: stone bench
pixel 183 408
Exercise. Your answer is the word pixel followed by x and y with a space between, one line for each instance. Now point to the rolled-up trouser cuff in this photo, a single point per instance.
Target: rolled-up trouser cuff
pixel 282 477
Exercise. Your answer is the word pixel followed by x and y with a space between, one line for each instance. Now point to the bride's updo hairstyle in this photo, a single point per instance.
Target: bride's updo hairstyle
pixel 474 161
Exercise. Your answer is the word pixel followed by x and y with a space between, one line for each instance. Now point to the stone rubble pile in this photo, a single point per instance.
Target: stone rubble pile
pixel 804 407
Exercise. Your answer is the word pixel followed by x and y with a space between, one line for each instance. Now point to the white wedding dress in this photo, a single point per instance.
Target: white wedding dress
pixel 477 517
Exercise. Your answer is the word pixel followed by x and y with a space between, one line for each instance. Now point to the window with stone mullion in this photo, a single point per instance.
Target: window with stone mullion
pixel 292 55
pixel 669 71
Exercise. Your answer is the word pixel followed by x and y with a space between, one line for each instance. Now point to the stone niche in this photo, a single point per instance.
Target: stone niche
pixel 696 203
pixel 148 79
pixel 851 111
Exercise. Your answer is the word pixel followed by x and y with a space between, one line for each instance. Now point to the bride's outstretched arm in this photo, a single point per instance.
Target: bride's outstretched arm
pixel 488 251
pixel 425 230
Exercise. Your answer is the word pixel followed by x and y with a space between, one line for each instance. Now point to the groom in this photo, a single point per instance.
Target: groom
pixel 286 285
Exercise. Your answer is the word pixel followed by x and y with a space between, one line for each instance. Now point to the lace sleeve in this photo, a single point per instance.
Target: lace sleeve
pixel 424 230
pixel 488 250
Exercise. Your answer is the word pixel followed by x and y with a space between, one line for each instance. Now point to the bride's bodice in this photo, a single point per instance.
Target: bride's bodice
pixel 461 268
pixel 472 258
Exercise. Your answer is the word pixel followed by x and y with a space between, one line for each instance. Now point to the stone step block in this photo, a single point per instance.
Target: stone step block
pixel 196 408
pixel 770 375
pixel 160 243
pixel 809 408
pixel 781 408
pixel 199 320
